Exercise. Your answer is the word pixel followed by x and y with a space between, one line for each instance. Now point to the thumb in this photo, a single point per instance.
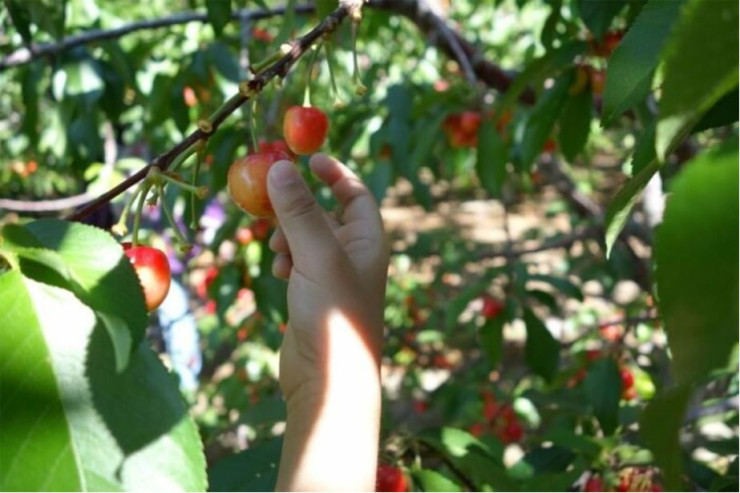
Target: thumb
pixel 310 238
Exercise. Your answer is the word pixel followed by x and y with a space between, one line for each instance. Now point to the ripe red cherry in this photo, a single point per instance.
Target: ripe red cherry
pixel 244 235
pixel 469 121
pixel 247 182
pixel 276 146
pixel 492 308
pixel 153 270
pixel 513 432
pixel 389 478
pixel 594 483
pixel 628 379
pixel 305 129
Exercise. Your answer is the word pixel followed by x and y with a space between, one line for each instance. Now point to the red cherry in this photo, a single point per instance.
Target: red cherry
pixel 594 483
pixel 629 394
pixel 492 308
pixel 476 429
pixel 549 145
pixel 593 355
pixel 389 478
pixel 244 236
pixel 469 121
pixel 153 270
pixel 628 379
pixel 420 406
pixel 276 146
pixel 305 129
pixel 508 414
pixel 490 410
pixel 513 432
pixel 247 182
pixel 241 334
pixel 261 228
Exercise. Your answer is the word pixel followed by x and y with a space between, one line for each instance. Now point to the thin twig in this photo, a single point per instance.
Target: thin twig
pixel 25 55
pixel 278 69
pixel 460 55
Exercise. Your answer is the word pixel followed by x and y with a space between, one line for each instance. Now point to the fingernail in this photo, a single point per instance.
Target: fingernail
pixel 283 174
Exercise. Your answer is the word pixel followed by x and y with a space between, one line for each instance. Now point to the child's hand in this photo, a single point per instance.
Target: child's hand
pixel 329 363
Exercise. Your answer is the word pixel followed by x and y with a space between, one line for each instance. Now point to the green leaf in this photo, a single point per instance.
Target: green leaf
pixel 563 285
pixel 645 150
pixel 492 338
pixel 104 281
pixel 21 19
pixel 471 456
pixel 71 421
pixel 48 15
pixel 254 469
pixel 542 119
pixel 219 14
pixel 660 424
pixel 575 124
pixel 325 7
pixel 701 66
pixel 542 351
pixel 431 480
pixel 493 154
pixel 621 205
pixel 536 71
pixel 697 263
pixel 603 389
pixel 724 112
pixel 597 15
pixel 631 66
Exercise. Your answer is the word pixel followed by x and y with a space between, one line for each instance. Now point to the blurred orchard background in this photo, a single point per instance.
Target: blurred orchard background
pixel 558 179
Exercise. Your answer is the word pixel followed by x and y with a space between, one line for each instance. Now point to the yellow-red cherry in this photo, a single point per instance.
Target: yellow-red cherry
pixel 247 182
pixel 153 271
pixel 305 129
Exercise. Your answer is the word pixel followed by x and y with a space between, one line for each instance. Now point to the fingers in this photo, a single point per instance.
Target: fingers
pixel 312 244
pixel 281 266
pixel 356 200
pixel 278 242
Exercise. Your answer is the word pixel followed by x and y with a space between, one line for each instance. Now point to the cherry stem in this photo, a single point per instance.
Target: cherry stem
pixel 330 63
pixel 168 214
pixel 184 156
pixel 199 191
pixel 309 73
pixel 253 125
pixel 200 156
pixel 360 88
pixel 145 186
pixel 120 227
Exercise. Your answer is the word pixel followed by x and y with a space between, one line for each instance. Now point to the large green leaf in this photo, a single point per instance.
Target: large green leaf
pixel 471 456
pixel 621 205
pixel 575 124
pixel 697 264
pixel 105 280
pixel 492 158
pixel 542 119
pixel 660 424
pixel 48 15
pixel 536 71
pixel 492 338
pixel 631 66
pixel 603 388
pixel 254 469
pixel 701 66
pixel 598 15
pixel 431 480
pixel 542 351
pixel 219 14
pixel 70 420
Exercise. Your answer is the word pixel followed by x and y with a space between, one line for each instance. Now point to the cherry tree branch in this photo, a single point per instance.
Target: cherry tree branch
pixel 25 55
pixel 278 69
pixel 452 44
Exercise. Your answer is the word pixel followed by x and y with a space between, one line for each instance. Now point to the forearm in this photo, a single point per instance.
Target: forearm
pixel 331 442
